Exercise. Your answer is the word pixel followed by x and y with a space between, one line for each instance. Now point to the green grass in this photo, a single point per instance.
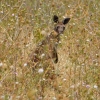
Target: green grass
pixel 22 25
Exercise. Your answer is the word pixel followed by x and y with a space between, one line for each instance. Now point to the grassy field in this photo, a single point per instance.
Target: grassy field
pixel 23 23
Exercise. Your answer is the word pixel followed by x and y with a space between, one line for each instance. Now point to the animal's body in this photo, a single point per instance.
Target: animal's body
pixel 45 55
pixel 46 50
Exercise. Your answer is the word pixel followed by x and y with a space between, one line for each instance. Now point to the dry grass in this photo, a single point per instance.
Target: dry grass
pixel 22 25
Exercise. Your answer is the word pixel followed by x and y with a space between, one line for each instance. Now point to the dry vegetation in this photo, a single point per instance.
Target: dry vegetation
pixel 24 22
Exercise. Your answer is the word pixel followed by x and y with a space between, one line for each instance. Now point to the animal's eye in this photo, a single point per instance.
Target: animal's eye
pixel 57 27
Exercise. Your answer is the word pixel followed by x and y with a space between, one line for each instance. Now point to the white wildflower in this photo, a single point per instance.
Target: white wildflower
pixel 8 5
pixel 17 97
pixel 1 12
pixel 27 45
pixel 43 79
pixel 13 14
pixel 17 82
pixel 11 98
pixel 2 97
pixel 43 32
pixel 88 40
pixel 40 65
pixel 60 86
pixel 42 55
pixel 96 64
pixel 73 23
pixel 25 64
pixel 68 6
pixel 83 64
pixel 64 16
pixel 95 86
pixel 90 32
pixel 1 64
pixel 59 42
pixel 54 98
pixel 40 98
pixel 64 79
pixel 12 67
pixel 40 70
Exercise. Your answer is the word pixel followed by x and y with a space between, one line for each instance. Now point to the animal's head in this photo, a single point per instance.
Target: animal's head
pixel 60 26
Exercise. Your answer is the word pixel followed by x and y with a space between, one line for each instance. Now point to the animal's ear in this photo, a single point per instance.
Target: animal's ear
pixel 55 18
pixel 65 21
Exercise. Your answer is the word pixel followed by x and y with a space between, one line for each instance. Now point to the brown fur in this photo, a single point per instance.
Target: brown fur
pixel 46 50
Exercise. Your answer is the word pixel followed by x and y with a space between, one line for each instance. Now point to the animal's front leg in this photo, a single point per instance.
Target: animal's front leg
pixel 55 55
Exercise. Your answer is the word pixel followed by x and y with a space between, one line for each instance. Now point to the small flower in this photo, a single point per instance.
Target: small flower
pixel 88 40
pixel 42 55
pixel 54 98
pixel 87 86
pixel 13 14
pixel 2 97
pixel 90 32
pixel 17 97
pixel 68 6
pixel 8 5
pixel 95 86
pixel 1 64
pixel 64 79
pixel 73 23
pixel 12 67
pixel 40 70
pixel 43 32
pixel 40 65
pixel 27 45
pixel 43 79
pixel 2 12
pixel 64 16
pixel 96 64
pixel 83 64
pixel 40 98
pixel 59 42
pixel 25 64
pixel 16 17
pixel 17 82
pixel 72 86
pixel 16 73
pixel 34 54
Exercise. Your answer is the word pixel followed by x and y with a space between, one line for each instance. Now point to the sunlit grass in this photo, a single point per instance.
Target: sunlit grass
pixel 23 24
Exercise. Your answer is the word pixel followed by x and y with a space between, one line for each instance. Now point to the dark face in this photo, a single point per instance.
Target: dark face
pixel 60 26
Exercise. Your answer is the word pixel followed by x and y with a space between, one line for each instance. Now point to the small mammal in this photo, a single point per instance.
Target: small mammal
pixel 46 50
pixel 45 55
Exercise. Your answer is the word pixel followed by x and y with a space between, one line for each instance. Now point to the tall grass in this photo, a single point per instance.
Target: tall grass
pixel 23 24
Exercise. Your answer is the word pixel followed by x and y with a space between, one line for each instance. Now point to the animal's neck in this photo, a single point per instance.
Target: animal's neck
pixel 54 34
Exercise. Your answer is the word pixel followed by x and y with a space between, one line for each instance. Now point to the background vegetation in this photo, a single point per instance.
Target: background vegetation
pixel 24 22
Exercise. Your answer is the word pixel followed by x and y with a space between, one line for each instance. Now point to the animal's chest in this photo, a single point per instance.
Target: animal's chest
pixel 46 50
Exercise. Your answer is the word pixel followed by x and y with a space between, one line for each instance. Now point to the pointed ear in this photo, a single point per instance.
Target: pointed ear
pixel 55 18
pixel 66 20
